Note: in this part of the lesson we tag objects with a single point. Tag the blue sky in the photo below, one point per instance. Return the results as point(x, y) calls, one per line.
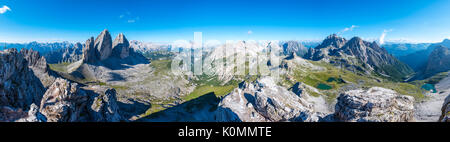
point(170, 20)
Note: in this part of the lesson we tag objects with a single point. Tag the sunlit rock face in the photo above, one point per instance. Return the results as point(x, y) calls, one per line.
point(374, 105)
point(65, 101)
point(19, 86)
point(264, 101)
point(103, 44)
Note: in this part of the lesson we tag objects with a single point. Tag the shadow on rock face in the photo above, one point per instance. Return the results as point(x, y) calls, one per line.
point(200, 109)
point(116, 77)
point(115, 63)
point(134, 108)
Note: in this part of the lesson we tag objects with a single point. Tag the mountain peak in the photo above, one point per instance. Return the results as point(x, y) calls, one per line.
point(356, 39)
point(332, 40)
point(89, 52)
point(446, 41)
point(121, 46)
point(103, 44)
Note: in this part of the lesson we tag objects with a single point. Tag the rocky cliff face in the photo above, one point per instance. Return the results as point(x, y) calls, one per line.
point(103, 44)
point(67, 102)
point(103, 48)
point(445, 117)
point(89, 52)
point(328, 45)
point(374, 105)
point(419, 59)
point(98, 50)
point(38, 65)
point(19, 86)
point(121, 46)
point(295, 47)
point(69, 53)
point(438, 61)
point(63, 102)
point(264, 101)
point(103, 104)
point(359, 56)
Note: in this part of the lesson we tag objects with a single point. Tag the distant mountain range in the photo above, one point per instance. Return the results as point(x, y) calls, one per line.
point(422, 59)
point(402, 49)
point(359, 56)
point(113, 79)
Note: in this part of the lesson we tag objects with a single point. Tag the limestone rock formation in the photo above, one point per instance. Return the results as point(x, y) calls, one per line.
point(264, 101)
point(438, 61)
point(68, 102)
point(65, 53)
point(89, 51)
point(374, 105)
point(445, 117)
point(38, 65)
point(121, 46)
point(64, 102)
point(295, 47)
point(103, 105)
point(33, 115)
point(103, 44)
point(19, 86)
point(358, 55)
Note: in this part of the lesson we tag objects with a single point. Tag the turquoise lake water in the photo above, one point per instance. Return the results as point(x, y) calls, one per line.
point(429, 87)
point(322, 86)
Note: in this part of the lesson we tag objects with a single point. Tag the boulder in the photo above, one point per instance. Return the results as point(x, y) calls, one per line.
point(374, 105)
point(68, 102)
point(103, 105)
point(63, 102)
point(264, 101)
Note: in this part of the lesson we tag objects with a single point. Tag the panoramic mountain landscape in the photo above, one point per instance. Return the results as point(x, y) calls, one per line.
point(130, 69)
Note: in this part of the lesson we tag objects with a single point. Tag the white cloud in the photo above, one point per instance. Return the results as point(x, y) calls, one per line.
point(250, 32)
point(133, 20)
point(4, 9)
point(383, 35)
point(348, 29)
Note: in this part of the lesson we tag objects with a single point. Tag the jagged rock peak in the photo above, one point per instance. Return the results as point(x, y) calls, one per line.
point(438, 61)
point(35, 60)
point(374, 105)
point(333, 40)
point(19, 86)
point(103, 44)
point(89, 51)
point(63, 102)
point(121, 46)
point(356, 40)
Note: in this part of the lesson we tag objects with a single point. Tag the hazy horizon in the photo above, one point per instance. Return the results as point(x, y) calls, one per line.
point(421, 21)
